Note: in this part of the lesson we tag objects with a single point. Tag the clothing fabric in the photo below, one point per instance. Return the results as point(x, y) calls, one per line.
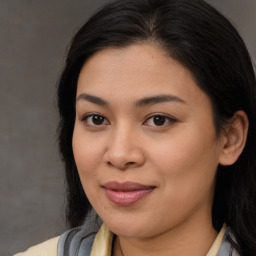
point(47, 248)
point(80, 242)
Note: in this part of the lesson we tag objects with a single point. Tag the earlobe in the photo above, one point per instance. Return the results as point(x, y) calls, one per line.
point(235, 138)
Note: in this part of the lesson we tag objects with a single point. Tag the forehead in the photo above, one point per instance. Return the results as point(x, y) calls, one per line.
point(136, 71)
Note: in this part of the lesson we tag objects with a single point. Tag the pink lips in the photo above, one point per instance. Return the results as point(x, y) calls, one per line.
point(126, 193)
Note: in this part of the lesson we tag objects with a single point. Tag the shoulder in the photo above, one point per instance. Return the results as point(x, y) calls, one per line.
point(47, 248)
point(77, 239)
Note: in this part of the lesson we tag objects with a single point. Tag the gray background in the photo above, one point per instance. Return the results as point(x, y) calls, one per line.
point(34, 36)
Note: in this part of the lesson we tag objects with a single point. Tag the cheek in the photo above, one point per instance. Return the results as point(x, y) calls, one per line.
point(88, 157)
point(87, 152)
point(187, 164)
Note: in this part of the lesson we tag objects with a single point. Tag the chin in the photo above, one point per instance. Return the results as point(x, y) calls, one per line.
point(129, 231)
point(131, 228)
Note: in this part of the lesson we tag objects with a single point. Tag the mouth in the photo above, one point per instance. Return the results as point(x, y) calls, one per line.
point(127, 193)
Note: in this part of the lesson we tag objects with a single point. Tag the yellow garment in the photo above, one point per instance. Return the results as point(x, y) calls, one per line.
point(102, 245)
point(217, 242)
point(47, 248)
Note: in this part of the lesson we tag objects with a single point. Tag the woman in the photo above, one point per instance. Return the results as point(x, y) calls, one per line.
point(157, 133)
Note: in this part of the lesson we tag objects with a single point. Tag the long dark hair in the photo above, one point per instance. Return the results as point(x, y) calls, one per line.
point(200, 38)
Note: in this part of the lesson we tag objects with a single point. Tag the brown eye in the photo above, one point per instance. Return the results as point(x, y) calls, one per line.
point(95, 120)
point(159, 121)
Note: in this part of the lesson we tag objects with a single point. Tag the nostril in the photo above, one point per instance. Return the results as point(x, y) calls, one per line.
point(122, 166)
point(124, 158)
point(129, 163)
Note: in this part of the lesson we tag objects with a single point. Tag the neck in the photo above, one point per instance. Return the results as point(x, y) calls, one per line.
point(185, 240)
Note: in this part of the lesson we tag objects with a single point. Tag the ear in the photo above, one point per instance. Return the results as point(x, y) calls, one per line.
point(234, 138)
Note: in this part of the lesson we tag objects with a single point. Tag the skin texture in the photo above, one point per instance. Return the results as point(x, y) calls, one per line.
point(178, 159)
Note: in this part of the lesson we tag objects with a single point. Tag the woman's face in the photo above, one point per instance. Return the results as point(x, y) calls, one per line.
point(144, 142)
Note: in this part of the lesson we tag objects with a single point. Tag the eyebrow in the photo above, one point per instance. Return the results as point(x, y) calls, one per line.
point(158, 99)
point(140, 103)
point(92, 99)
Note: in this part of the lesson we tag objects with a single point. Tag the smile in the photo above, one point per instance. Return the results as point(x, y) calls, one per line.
point(125, 194)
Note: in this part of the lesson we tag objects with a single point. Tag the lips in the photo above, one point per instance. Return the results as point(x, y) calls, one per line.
point(127, 193)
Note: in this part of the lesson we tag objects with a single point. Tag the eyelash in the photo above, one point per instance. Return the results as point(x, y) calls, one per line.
point(85, 119)
point(167, 120)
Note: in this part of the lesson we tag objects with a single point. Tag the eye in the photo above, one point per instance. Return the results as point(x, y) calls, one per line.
point(95, 120)
point(159, 120)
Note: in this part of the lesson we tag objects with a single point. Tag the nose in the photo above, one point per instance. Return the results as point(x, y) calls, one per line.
point(124, 150)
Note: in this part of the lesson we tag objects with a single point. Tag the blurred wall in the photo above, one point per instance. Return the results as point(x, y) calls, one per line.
point(34, 36)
